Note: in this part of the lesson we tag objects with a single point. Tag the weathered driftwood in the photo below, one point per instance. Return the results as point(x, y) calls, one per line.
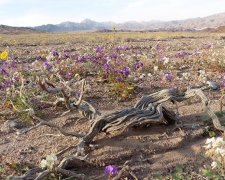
point(148, 110)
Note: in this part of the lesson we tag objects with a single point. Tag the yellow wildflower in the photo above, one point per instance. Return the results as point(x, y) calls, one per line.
point(4, 55)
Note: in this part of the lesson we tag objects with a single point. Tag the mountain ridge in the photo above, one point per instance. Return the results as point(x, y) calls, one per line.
point(192, 24)
point(208, 23)
point(4, 29)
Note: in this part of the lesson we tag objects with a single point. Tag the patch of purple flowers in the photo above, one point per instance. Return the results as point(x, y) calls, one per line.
point(168, 76)
point(81, 59)
point(47, 65)
point(111, 170)
point(222, 85)
point(3, 72)
point(66, 53)
point(118, 79)
point(12, 64)
point(38, 57)
point(55, 53)
point(125, 71)
point(126, 47)
point(112, 55)
point(138, 65)
point(119, 48)
point(6, 84)
point(69, 75)
point(106, 67)
point(99, 49)
point(182, 54)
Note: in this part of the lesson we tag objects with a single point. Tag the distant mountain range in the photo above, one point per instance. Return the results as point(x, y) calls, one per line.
point(16, 30)
point(212, 21)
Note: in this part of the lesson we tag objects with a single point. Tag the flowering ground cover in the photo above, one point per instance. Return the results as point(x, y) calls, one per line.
point(69, 82)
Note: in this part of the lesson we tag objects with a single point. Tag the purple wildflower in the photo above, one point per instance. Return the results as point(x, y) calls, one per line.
point(66, 53)
point(182, 54)
point(6, 84)
point(99, 49)
point(47, 65)
point(106, 67)
point(12, 64)
point(81, 59)
point(119, 48)
point(168, 76)
point(111, 170)
point(163, 58)
point(173, 89)
point(138, 65)
point(118, 79)
point(117, 71)
point(119, 59)
point(68, 75)
point(125, 47)
point(15, 79)
point(94, 59)
point(112, 55)
point(3, 71)
point(38, 57)
point(125, 71)
point(55, 53)
point(222, 85)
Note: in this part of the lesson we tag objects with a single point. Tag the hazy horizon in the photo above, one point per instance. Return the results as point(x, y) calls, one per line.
point(37, 12)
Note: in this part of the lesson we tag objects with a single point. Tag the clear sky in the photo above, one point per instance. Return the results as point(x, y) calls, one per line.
point(38, 12)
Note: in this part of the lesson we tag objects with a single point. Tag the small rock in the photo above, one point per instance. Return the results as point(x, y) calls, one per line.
point(136, 80)
point(141, 77)
point(213, 85)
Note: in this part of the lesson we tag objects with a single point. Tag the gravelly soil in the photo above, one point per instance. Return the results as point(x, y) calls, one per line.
point(150, 150)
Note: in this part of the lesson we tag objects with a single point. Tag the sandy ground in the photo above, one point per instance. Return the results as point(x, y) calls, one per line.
point(148, 150)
